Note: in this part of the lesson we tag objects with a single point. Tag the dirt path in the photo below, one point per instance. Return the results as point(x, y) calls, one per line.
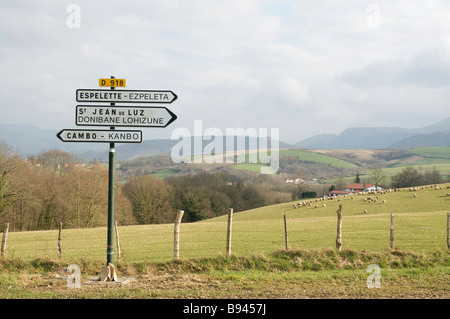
point(180, 286)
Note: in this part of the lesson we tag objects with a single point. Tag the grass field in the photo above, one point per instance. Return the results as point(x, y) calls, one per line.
point(306, 156)
point(249, 167)
point(164, 173)
point(253, 165)
point(444, 170)
point(260, 266)
point(420, 223)
point(436, 152)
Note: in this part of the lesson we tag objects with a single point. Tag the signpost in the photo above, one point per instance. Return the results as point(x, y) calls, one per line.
point(112, 116)
point(100, 136)
point(94, 115)
point(126, 96)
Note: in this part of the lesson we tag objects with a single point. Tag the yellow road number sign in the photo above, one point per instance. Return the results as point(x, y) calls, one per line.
point(112, 82)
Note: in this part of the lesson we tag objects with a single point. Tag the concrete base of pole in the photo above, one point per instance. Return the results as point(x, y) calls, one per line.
point(108, 273)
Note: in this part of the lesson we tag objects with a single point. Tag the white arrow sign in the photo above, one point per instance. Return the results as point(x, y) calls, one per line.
point(131, 96)
point(100, 136)
point(90, 115)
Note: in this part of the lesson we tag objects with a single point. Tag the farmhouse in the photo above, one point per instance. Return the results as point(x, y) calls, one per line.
point(374, 188)
point(361, 187)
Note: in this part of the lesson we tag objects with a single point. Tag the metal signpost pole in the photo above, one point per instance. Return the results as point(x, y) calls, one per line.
point(110, 241)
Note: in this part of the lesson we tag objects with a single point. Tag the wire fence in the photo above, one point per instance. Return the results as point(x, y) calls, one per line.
point(156, 243)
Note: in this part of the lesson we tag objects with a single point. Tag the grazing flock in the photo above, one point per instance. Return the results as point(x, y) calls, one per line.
point(373, 196)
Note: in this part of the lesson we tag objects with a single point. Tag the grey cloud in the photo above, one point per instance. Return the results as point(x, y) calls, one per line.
point(427, 69)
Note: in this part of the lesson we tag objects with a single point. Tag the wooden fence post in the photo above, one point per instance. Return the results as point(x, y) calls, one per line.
point(448, 230)
point(392, 232)
point(117, 240)
point(286, 233)
point(230, 220)
point(339, 229)
point(176, 241)
point(59, 240)
point(5, 235)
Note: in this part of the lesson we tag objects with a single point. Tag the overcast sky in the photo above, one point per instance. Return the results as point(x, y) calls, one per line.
point(305, 67)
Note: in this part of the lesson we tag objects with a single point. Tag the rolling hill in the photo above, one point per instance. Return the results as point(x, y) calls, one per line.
point(419, 223)
point(382, 137)
point(29, 140)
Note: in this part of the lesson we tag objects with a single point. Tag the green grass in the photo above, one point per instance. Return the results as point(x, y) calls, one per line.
point(164, 173)
point(249, 167)
point(420, 226)
point(260, 266)
point(435, 152)
point(391, 171)
point(431, 156)
point(421, 166)
point(319, 273)
point(306, 156)
point(299, 155)
point(427, 162)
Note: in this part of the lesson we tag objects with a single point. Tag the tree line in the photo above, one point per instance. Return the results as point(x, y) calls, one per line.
point(52, 187)
point(407, 177)
point(410, 176)
point(39, 192)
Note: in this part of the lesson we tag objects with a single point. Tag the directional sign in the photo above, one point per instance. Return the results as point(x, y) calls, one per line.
point(100, 136)
point(132, 96)
point(94, 115)
point(112, 82)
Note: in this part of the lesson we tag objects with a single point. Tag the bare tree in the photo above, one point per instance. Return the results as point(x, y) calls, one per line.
point(8, 162)
point(53, 161)
point(150, 199)
point(377, 177)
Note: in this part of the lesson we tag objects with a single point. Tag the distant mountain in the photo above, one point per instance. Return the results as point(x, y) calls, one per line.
point(429, 140)
point(129, 151)
point(381, 137)
point(28, 140)
point(153, 147)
